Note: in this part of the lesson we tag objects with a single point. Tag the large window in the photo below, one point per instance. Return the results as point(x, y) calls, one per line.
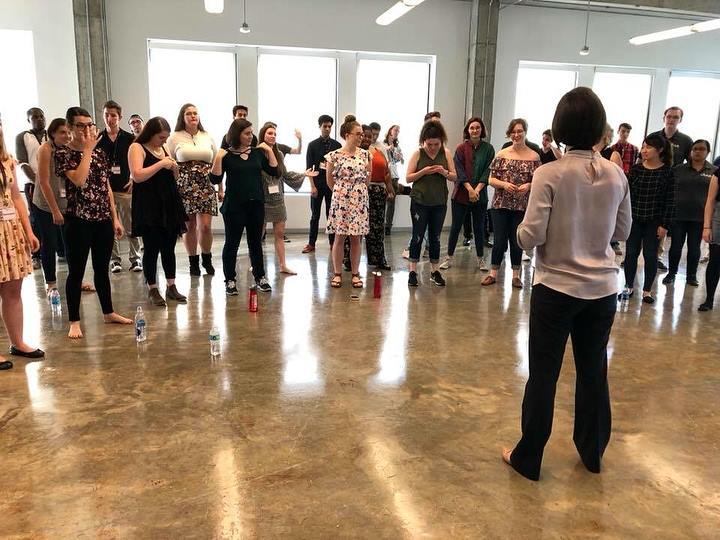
point(204, 78)
point(293, 91)
point(393, 92)
point(626, 97)
point(699, 97)
point(18, 92)
point(538, 93)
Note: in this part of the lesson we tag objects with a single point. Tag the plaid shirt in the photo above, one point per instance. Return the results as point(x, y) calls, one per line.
point(652, 194)
point(629, 154)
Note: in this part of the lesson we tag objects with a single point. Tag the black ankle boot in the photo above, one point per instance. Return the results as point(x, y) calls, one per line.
point(194, 265)
point(207, 264)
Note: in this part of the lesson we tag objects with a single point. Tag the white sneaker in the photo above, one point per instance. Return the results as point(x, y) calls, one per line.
point(447, 263)
point(482, 265)
point(406, 254)
point(115, 267)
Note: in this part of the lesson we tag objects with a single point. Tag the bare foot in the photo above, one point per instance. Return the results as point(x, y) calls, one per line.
point(75, 331)
point(87, 287)
point(286, 270)
point(506, 455)
point(114, 318)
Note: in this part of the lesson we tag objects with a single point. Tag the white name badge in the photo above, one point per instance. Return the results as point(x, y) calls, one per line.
point(8, 213)
point(115, 169)
point(63, 194)
point(273, 189)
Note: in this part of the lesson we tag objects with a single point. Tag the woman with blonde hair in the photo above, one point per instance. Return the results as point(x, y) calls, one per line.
point(17, 241)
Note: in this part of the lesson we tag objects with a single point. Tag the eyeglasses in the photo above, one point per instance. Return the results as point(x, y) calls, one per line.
point(84, 126)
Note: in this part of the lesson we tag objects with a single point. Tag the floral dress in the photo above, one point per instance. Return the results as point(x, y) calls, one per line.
point(514, 171)
point(349, 206)
point(194, 155)
point(15, 260)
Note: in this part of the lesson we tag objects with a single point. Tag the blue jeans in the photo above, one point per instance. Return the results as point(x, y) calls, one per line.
point(51, 243)
point(430, 218)
point(460, 214)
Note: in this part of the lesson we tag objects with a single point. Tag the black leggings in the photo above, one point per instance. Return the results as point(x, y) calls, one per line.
point(643, 235)
point(251, 216)
point(693, 231)
point(712, 273)
point(158, 241)
point(85, 237)
point(506, 223)
point(461, 214)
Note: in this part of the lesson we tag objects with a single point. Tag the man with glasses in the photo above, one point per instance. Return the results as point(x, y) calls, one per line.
point(115, 142)
point(27, 145)
point(136, 123)
point(681, 145)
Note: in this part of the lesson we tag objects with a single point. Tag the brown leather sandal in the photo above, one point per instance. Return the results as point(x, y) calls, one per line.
point(489, 280)
point(336, 281)
point(517, 283)
point(357, 282)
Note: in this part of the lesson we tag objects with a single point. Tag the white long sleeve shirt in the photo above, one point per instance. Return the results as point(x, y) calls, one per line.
point(577, 206)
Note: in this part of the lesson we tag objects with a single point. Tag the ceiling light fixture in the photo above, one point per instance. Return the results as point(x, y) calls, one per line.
point(245, 28)
point(214, 6)
point(586, 50)
point(680, 31)
point(396, 11)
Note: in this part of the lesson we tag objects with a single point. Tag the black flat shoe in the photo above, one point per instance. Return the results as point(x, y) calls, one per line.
point(5, 365)
point(37, 353)
point(705, 306)
point(384, 266)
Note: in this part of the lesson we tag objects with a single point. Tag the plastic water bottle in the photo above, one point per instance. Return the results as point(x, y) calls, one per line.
point(55, 304)
point(214, 341)
point(140, 325)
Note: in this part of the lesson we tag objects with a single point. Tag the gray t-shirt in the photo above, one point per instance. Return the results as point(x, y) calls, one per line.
point(58, 188)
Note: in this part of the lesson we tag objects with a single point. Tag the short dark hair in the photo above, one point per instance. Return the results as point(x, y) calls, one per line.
point(180, 124)
point(374, 126)
point(366, 127)
point(514, 122)
point(466, 129)
point(432, 114)
point(31, 110)
point(73, 112)
point(56, 124)
point(237, 108)
point(580, 119)
point(348, 125)
point(548, 132)
point(433, 130)
point(236, 128)
point(135, 116)
point(157, 124)
point(110, 104)
point(323, 118)
point(705, 143)
point(625, 125)
point(662, 145)
point(674, 108)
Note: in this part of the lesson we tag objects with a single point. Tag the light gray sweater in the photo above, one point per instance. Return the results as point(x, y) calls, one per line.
point(578, 205)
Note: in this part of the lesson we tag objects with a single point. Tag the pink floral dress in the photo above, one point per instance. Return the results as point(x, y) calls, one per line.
point(15, 260)
point(349, 213)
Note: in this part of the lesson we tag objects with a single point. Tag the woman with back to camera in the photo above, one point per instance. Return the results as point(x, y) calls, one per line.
point(511, 174)
point(692, 182)
point(158, 215)
point(472, 163)
point(577, 206)
point(17, 241)
point(243, 207)
point(652, 194)
point(348, 174)
point(194, 150)
point(275, 211)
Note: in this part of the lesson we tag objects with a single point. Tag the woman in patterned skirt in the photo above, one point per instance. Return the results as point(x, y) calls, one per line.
point(16, 242)
point(194, 150)
point(275, 211)
point(348, 172)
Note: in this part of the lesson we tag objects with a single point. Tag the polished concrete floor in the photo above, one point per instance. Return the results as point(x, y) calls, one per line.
point(331, 418)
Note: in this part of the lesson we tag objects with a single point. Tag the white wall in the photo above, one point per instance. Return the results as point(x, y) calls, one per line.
point(51, 22)
point(434, 28)
point(555, 35)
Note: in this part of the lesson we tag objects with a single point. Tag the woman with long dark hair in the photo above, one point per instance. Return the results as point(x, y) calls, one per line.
point(692, 182)
point(652, 194)
point(90, 219)
point(472, 163)
point(17, 241)
point(578, 205)
point(275, 211)
point(158, 215)
point(194, 150)
point(243, 208)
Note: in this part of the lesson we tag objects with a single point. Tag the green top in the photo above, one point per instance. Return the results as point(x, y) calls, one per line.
point(431, 189)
